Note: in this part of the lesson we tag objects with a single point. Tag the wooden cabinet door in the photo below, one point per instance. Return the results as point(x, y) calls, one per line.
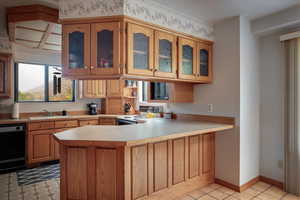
point(40, 146)
point(105, 51)
point(76, 49)
point(93, 89)
point(187, 59)
point(204, 62)
point(208, 154)
point(165, 55)
point(140, 50)
point(115, 88)
point(114, 105)
point(5, 75)
point(55, 149)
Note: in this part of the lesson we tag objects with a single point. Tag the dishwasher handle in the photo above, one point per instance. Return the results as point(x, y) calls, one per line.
point(9, 129)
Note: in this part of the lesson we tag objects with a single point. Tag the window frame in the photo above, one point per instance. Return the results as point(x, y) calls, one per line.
point(46, 91)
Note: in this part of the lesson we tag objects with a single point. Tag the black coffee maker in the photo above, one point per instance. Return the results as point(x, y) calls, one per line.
point(92, 108)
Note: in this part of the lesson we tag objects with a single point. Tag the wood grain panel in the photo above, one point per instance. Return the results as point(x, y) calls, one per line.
point(194, 156)
point(2, 77)
point(88, 122)
point(139, 171)
point(41, 125)
point(106, 176)
point(160, 166)
point(178, 160)
point(208, 153)
point(77, 173)
point(115, 88)
point(41, 146)
point(66, 124)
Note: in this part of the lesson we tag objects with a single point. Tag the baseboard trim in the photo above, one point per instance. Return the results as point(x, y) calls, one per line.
point(249, 183)
point(228, 185)
point(271, 181)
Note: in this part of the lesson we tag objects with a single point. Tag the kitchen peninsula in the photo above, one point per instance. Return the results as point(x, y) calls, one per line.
point(138, 160)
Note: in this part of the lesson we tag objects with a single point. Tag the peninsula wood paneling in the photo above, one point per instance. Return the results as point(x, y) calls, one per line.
point(106, 177)
point(77, 173)
point(208, 153)
point(194, 155)
point(139, 169)
point(178, 160)
point(160, 165)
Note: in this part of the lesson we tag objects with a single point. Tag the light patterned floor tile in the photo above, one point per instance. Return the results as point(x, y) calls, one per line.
point(218, 194)
point(206, 197)
point(196, 193)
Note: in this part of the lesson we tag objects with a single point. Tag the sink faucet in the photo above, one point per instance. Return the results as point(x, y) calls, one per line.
point(48, 113)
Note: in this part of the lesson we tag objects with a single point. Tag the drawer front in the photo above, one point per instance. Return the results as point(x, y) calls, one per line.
point(66, 124)
point(88, 122)
point(41, 125)
point(107, 121)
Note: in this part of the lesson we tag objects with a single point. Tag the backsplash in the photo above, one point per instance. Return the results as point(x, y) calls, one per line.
point(147, 11)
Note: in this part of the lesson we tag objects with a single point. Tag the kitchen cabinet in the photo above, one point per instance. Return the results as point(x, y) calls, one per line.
point(165, 55)
point(5, 75)
point(140, 50)
point(76, 49)
point(40, 146)
point(187, 59)
point(204, 62)
point(115, 88)
point(93, 89)
point(122, 48)
point(105, 52)
point(87, 122)
point(114, 105)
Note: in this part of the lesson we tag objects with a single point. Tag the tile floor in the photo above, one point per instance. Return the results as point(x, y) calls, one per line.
point(49, 190)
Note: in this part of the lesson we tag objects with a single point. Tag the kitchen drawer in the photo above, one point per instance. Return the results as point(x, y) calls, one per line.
point(66, 124)
point(88, 122)
point(107, 121)
point(41, 125)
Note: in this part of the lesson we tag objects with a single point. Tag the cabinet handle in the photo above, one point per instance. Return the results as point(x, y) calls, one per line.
point(92, 67)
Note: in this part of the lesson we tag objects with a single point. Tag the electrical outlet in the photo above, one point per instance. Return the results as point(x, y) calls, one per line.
point(280, 164)
point(210, 108)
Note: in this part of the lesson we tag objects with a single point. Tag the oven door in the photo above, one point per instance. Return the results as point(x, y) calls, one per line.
point(12, 146)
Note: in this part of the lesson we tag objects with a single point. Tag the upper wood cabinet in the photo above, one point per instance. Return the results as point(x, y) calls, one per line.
point(165, 55)
point(105, 51)
point(123, 48)
point(5, 75)
point(76, 49)
point(204, 62)
point(187, 59)
point(140, 50)
point(93, 89)
point(115, 88)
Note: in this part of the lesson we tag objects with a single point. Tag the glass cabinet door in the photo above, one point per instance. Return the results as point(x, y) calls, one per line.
point(140, 50)
point(76, 53)
point(105, 54)
point(187, 59)
point(165, 55)
point(204, 62)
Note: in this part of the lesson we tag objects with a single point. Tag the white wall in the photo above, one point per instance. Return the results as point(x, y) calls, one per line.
point(272, 107)
point(224, 94)
point(249, 103)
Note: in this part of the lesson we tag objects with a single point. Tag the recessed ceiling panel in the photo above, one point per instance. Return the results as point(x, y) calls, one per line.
point(27, 43)
point(54, 39)
point(39, 25)
point(52, 47)
point(57, 29)
point(28, 35)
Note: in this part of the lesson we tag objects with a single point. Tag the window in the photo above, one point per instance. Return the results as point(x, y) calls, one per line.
point(41, 83)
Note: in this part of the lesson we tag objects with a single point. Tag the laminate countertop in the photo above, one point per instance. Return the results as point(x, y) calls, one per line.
point(152, 130)
point(56, 118)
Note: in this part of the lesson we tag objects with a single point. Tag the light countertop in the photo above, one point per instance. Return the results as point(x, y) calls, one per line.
point(152, 130)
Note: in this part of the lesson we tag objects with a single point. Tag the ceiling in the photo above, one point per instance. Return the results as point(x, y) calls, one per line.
point(213, 11)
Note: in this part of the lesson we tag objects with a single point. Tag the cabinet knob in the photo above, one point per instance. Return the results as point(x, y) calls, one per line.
point(85, 67)
point(92, 67)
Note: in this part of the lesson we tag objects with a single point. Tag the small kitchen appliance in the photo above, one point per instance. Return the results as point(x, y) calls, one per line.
point(93, 108)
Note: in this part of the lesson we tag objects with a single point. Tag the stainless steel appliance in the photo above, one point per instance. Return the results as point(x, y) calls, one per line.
point(12, 146)
point(127, 120)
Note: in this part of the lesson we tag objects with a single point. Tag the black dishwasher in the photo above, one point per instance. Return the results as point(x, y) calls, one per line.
point(12, 146)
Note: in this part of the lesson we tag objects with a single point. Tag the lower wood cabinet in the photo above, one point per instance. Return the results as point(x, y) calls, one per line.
point(40, 146)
